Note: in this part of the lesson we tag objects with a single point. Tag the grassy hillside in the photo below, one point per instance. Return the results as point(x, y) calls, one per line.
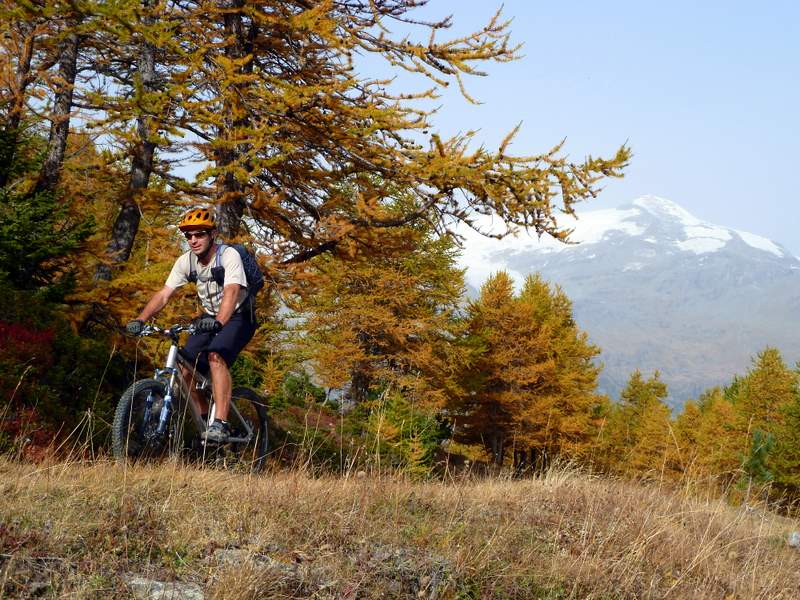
point(101, 530)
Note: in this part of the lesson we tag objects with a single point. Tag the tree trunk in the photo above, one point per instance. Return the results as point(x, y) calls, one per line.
point(231, 199)
point(539, 460)
point(498, 448)
point(230, 206)
point(521, 463)
point(126, 225)
point(359, 385)
point(62, 105)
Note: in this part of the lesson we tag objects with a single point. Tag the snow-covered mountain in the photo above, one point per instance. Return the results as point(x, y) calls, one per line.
point(657, 288)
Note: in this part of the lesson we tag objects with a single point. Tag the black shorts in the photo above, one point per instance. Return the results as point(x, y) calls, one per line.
point(228, 343)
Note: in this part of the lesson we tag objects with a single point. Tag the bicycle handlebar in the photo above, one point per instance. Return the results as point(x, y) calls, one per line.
point(170, 332)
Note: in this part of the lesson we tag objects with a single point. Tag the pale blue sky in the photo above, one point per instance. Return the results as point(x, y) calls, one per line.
point(707, 95)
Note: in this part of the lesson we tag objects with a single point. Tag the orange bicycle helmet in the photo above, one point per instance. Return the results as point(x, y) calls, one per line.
point(197, 218)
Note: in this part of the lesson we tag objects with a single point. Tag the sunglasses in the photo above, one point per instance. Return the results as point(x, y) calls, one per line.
point(198, 234)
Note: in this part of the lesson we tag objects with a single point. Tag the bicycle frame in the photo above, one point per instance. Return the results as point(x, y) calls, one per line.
point(172, 376)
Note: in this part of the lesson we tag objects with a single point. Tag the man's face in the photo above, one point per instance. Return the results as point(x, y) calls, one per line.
point(199, 241)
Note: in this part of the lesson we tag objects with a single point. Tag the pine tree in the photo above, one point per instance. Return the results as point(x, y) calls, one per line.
point(756, 463)
point(38, 233)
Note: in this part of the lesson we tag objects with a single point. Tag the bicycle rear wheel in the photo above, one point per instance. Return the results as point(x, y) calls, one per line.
point(248, 421)
point(133, 433)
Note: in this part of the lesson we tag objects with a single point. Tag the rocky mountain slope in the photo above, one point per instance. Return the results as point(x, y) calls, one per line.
point(656, 288)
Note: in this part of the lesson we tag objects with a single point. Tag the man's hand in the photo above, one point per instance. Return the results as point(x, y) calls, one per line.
point(208, 325)
point(134, 327)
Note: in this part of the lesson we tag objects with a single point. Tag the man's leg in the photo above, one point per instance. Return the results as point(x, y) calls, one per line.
point(222, 385)
point(222, 351)
point(195, 353)
point(197, 397)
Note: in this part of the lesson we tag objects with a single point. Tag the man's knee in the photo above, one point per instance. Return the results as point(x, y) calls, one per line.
point(216, 360)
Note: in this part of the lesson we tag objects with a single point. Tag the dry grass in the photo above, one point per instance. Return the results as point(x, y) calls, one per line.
point(83, 529)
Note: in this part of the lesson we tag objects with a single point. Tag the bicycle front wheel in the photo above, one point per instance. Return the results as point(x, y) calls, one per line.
point(133, 433)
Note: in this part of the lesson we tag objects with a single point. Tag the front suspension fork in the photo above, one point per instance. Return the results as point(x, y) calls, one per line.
point(166, 409)
point(163, 418)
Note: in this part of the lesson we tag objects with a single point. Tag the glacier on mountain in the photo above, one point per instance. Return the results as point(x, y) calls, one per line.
point(704, 238)
point(657, 220)
point(761, 243)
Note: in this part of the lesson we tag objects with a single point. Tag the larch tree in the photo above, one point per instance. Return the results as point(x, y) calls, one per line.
point(760, 400)
point(309, 158)
point(649, 455)
point(23, 58)
point(720, 445)
point(485, 416)
point(640, 410)
point(289, 130)
point(295, 144)
point(561, 418)
point(746, 431)
point(532, 387)
point(137, 104)
point(389, 320)
point(762, 394)
point(685, 430)
point(786, 457)
point(765, 401)
point(35, 37)
point(68, 34)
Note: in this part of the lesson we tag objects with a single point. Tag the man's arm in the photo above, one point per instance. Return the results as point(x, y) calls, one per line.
point(157, 302)
point(230, 293)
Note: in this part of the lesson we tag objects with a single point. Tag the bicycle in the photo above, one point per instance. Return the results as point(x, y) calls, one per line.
point(150, 418)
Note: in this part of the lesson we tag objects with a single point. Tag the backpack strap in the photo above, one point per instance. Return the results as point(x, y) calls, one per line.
point(218, 271)
point(192, 269)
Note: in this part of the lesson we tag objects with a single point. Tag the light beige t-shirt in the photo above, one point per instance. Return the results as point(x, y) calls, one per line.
point(209, 293)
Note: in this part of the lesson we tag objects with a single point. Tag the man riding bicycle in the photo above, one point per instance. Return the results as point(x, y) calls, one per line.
point(227, 323)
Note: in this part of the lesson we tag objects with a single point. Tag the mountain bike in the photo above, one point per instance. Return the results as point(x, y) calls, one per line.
point(157, 417)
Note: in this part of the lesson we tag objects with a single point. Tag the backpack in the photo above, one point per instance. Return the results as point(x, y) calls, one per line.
point(252, 270)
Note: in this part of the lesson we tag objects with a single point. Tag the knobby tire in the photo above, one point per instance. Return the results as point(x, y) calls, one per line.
point(129, 434)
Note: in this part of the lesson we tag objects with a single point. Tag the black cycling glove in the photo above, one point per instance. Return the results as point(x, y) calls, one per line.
point(208, 325)
point(134, 327)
